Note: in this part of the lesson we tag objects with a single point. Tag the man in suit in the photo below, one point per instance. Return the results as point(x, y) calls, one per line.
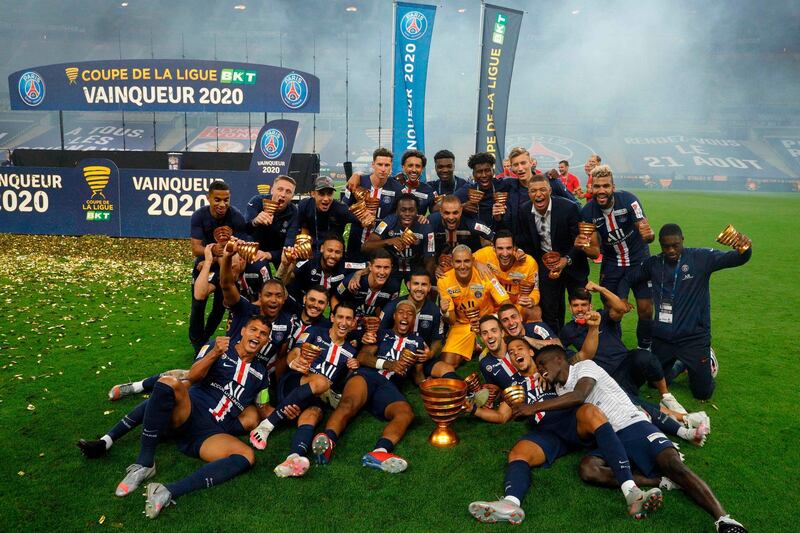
point(550, 224)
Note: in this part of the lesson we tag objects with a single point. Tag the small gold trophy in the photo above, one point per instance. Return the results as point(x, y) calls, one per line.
point(309, 351)
point(730, 237)
point(247, 250)
point(473, 383)
point(371, 324)
point(551, 260)
point(407, 239)
point(222, 235)
point(360, 193)
point(474, 197)
point(270, 206)
point(513, 395)
point(446, 262)
point(443, 399)
point(587, 230)
point(302, 246)
point(408, 358)
point(501, 198)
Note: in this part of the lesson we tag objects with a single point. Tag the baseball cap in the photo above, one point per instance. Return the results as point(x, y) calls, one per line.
point(323, 182)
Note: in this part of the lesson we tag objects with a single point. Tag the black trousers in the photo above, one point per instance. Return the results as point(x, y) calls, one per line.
point(553, 292)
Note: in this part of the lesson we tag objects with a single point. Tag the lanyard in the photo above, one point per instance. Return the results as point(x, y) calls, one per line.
point(674, 277)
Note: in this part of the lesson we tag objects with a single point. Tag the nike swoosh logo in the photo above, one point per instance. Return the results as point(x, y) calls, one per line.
point(226, 365)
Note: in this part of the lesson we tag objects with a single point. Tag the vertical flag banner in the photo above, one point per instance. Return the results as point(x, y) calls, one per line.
point(413, 31)
point(499, 45)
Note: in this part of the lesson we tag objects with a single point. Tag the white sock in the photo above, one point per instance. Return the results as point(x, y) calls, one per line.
point(380, 450)
point(108, 440)
point(627, 487)
point(267, 424)
point(513, 499)
point(138, 386)
point(686, 433)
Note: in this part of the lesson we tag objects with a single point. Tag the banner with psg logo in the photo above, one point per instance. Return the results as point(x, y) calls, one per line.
point(97, 197)
point(498, 47)
point(413, 31)
point(164, 85)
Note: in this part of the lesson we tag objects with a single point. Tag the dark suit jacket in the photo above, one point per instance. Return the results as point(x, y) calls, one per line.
point(564, 218)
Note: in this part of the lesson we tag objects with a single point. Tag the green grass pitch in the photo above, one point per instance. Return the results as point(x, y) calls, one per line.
point(80, 315)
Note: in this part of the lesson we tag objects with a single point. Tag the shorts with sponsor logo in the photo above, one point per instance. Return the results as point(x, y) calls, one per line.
point(201, 425)
point(556, 434)
point(643, 442)
point(460, 340)
point(381, 392)
point(618, 280)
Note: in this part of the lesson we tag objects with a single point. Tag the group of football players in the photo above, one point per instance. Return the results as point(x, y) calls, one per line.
point(334, 303)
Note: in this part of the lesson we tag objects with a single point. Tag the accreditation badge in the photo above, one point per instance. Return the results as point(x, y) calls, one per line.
point(665, 312)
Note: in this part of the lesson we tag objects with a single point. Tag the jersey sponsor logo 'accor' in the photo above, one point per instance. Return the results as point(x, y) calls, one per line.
point(413, 25)
point(294, 91)
point(31, 88)
point(272, 143)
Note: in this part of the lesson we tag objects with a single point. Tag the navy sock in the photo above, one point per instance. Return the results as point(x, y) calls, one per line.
point(644, 333)
point(332, 435)
point(662, 421)
point(613, 452)
point(299, 396)
point(302, 439)
point(128, 422)
point(156, 421)
point(210, 474)
point(451, 375)
point(149, 383)
point(197, 326)
point(385, 443)
point(518, 479)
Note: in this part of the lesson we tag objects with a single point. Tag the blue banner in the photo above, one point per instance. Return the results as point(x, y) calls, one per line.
point(164, 85)
point(98, 198)
point(501, 27)
point(413, 32)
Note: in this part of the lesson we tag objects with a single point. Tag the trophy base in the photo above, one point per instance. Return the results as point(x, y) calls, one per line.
point(443, 437)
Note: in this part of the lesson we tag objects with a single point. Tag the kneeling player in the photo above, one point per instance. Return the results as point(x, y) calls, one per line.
point(553, 435)
point(374, 386)
point(309, 379)
point(651, 451)
point(204, 417)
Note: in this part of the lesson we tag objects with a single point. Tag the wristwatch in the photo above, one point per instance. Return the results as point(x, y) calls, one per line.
point(569, 260)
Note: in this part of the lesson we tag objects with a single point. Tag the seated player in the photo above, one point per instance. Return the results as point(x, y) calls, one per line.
point(452, 227)
point(205, 414)
point(629, 368)
point(388, 236)
point(537, 333)
point(270, 229)
point(374, 290)
point(325, 268)
point(320, 215)
point(205, 220)
point(375, 386)
point(514, 269)
point(465, 296)
point(270, 304)
point(495, 365)
point(308, 379)
point(428, 323)
point(482, 165)
point(315, 302)
point(413, 163)
point(553, 435)
point(650, 450)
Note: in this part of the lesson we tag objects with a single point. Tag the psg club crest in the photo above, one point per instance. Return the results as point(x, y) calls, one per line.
point(31, 88)
point(272, 143)
point(294, 91)
point(413, 25)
